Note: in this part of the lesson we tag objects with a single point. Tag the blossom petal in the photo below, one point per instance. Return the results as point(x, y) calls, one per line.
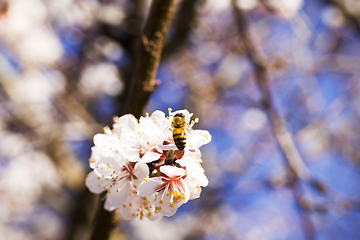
point(192, 152)
point(149, 186)
point(172, 171)
point(168, 147)
point(118, 194)
point(196, 179)
point(108, 205)
point(132, 154)
point(127, 121)
point(95, 183)
point(106, 167)
point(141, 171)
point(159, 119)
point(150, 157)
point(169, 208)
point(104, 141)
point(195, 193)
point(199, 138)
point(155, 125)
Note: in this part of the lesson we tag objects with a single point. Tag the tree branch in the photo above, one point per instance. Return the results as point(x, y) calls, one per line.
point(183, 22)
point(148, 56)
point(143, 84)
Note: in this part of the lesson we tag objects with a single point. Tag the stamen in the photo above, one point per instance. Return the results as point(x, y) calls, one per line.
point(107, 130)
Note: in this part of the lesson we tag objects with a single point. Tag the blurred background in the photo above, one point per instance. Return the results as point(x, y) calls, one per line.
point(64, 71)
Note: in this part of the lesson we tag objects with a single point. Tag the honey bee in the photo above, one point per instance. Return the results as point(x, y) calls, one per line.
point(180, 130)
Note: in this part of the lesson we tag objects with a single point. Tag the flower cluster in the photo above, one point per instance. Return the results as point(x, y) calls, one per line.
point(141, 167)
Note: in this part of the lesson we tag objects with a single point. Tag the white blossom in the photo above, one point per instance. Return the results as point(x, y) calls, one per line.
point(141, 168)
point(118, 177)
point(141, 207)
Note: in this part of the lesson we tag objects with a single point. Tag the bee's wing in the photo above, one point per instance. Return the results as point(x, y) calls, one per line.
point(189, 130)
point(167, 131)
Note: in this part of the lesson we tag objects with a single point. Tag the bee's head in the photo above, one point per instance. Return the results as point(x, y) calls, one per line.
point(179, 119)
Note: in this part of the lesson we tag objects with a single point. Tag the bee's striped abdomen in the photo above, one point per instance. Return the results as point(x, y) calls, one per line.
point(179, 138)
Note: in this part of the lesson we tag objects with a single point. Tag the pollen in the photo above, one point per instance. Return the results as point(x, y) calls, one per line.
point(147, 114)
point(171, 205)
point(145, 179)
point(133, 191)
point(169, 109)
point(144, 198)
point(134, 186)
point(161, 201)
point(124, 205)
point(98, 178)
point(206, 136)
point(130, 204)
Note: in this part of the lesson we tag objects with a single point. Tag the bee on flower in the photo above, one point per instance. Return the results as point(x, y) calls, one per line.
point(149, 167)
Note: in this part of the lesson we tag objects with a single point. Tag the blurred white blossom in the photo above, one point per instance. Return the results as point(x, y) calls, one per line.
point(101, 78)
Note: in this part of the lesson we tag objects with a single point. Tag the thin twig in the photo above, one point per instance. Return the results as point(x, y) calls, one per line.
point(286, 143)
point(281, 132)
